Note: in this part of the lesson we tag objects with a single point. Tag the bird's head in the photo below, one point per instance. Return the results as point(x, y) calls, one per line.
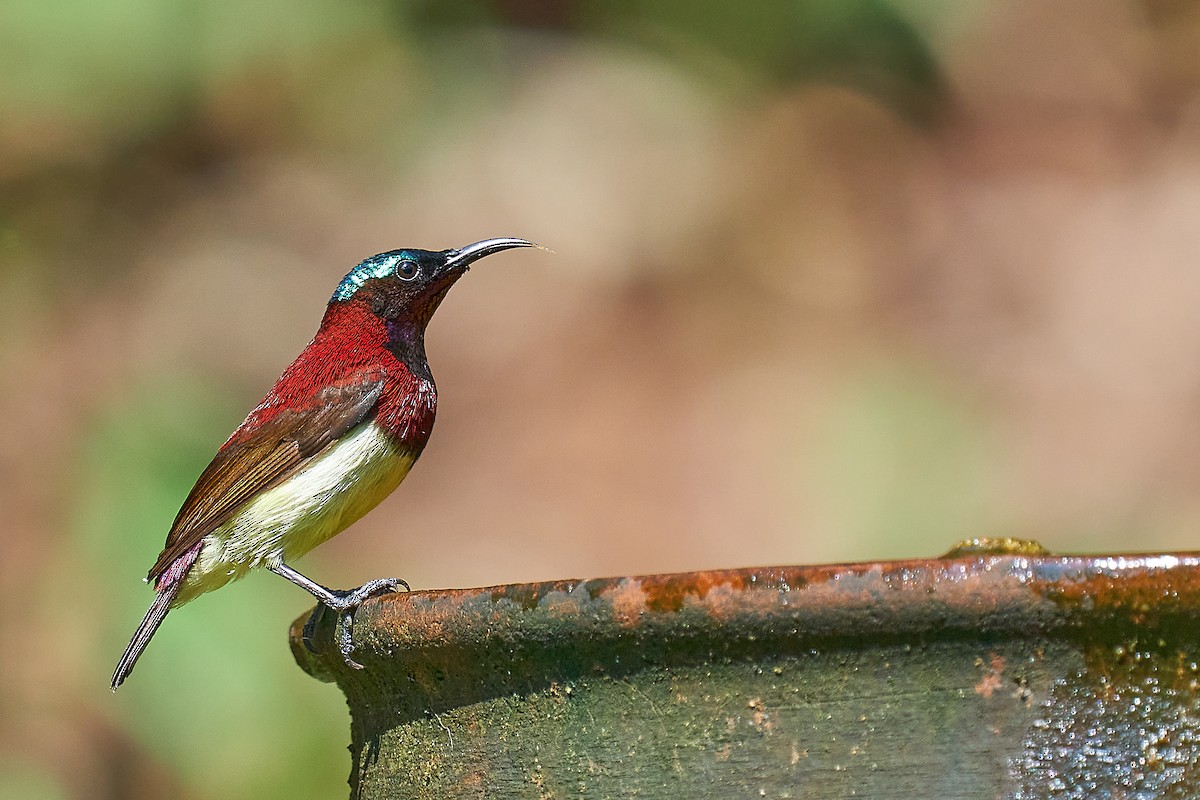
point(406, 286)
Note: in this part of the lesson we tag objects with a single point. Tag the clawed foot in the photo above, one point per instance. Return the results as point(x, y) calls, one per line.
point(344, 603)
point(349, 599)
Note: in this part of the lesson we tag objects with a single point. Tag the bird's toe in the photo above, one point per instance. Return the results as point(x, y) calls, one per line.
point(345, 639)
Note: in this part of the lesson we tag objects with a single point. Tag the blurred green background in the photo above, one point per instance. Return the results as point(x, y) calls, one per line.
point(835, 280)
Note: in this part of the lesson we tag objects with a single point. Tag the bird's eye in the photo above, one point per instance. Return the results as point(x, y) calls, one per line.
point(406, 270)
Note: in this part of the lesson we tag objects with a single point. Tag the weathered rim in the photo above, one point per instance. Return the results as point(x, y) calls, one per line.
point(1009, 592)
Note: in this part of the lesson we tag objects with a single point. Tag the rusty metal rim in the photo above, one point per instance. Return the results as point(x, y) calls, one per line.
point(978, 592)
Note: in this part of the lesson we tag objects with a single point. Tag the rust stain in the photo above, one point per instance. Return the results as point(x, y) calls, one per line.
point(992, 677)
point(668, 593)
point(1013, 586)
point(728, 602)
point(629, 602)
point(1149, 585)
point(524, 595)
point(671, 593)
point(760, 720)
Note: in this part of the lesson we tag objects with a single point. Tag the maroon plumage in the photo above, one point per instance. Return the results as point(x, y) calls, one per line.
point(363, 378)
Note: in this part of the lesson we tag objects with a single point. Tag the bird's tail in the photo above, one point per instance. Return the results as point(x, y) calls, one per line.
point(167, 588)
point(141, 637)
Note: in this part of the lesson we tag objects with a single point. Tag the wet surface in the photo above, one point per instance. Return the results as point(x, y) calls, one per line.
point(996, 671)
point(1126, 726)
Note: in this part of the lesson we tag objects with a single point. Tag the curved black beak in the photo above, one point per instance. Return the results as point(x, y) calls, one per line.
point(464, 257)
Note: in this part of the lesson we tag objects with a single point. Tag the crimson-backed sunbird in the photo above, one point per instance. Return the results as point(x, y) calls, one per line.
point(335, 435)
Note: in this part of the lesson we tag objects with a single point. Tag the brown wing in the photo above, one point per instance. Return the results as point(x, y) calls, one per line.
point(262, 459)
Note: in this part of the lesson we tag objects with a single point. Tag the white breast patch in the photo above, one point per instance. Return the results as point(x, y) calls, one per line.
point(323, 499)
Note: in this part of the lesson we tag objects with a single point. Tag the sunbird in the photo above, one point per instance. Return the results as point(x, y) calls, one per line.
point(336, 434)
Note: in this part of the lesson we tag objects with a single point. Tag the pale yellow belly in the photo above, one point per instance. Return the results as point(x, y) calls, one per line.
point(312, 506)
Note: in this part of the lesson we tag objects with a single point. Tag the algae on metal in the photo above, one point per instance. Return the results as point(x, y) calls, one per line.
point(994, 674)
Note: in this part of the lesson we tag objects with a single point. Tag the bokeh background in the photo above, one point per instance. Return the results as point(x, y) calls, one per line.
point(835, 280)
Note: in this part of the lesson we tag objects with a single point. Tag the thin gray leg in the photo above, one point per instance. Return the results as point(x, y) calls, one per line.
point(339, 599)
point(343, 602)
